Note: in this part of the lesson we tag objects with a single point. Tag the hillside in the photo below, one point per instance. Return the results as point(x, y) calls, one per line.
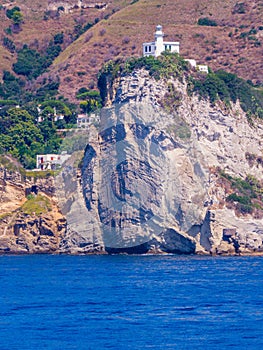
point(43, 19)
point(231, 38)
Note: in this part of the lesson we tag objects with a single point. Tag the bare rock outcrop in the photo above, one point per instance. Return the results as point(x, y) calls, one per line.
point(27, 233)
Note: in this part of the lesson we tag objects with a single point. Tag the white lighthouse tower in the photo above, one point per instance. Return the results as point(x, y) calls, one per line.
point(155, 48)
point(159, 48)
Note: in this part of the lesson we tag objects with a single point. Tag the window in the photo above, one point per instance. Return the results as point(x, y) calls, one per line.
point(150, 48)
point(145, 48)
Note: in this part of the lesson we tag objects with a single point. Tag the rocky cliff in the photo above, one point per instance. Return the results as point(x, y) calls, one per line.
point(30, 221)
point(166, 172)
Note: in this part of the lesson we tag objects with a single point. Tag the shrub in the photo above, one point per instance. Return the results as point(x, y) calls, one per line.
point(227, 86)
point(17, 17)
point(32, 63)
point(90, 100)
point(126, 40)
point(10, 12)
point(240, 199)
point(244, 208)
point(206, 22)
point(37, 205)
point(9, 44)
point(102, 31)
point(59, 38)
point(240, 7)
point(29, 63)
point(212, 87)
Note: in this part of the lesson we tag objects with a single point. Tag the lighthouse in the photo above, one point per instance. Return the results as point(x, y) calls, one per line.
point(156, 47)
point(159, 48)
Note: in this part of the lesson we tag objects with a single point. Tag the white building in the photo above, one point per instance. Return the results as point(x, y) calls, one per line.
point(203, 68)
point(200, 67)
point(82, 121)
point(155, 48)
point(51, 161)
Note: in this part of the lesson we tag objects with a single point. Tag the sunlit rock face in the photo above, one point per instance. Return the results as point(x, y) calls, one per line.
point(149, 182)
point(147, 185)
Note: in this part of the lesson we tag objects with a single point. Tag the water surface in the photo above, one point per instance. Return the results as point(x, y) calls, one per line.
point(131, 302)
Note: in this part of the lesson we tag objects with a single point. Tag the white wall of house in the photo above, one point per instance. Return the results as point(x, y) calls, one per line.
point(82, 120)
point(203, 68)
point(50, 161)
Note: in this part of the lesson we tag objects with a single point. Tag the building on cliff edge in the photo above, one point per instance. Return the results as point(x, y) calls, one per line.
point(50, 161)
point(156, 47)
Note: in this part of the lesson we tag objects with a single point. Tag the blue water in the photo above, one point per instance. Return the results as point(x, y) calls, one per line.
point(131, 302)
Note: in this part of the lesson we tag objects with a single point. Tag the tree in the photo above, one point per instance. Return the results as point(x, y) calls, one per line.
point(17, 17)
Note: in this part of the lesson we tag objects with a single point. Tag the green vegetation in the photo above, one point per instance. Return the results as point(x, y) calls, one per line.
point(59, 38)
point(20, 137)
point(40, 174)
point(15, 14)
point(240, 7)
point(12, 87)
point(80, 29)
point(172, 99)
point(247, 194)
point(36, 205)
point(228, 87)
point(167, 65)
point(90, 100)
point(20, 134)
point(9, 44)
point(32, 63)
point(206, 22)
point(8, 103)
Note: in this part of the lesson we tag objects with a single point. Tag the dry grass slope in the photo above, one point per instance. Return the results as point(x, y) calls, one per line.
point(235, 44)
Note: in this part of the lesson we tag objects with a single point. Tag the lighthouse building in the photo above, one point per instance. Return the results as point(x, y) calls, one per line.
point(155, 48)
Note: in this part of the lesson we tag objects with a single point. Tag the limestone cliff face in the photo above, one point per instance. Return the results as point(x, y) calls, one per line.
point(148, 182)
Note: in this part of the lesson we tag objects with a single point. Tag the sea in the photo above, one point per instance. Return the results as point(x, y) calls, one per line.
point(131, 302)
